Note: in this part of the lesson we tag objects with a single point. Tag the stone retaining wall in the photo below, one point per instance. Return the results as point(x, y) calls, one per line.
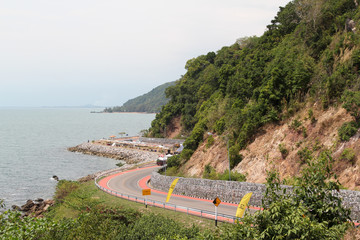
point(231, 191)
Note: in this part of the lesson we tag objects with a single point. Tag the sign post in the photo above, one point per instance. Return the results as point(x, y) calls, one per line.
point(146, 192)
point(216, 202)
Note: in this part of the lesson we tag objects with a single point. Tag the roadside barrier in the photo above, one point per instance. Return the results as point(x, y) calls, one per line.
point(191, 211)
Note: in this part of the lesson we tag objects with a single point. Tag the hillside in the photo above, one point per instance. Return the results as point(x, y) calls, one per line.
point(279, 99)
point(150, 102)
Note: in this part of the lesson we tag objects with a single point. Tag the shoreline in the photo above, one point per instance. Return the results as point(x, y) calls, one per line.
point(128, 112)
point(130, 156)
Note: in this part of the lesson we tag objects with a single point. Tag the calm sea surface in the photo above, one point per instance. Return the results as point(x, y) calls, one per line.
point(33, 143)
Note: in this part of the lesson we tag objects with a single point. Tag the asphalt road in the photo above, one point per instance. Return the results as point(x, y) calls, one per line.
point(128, 183)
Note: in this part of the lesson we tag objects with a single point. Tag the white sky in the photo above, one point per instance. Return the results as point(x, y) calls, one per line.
point(67, 53)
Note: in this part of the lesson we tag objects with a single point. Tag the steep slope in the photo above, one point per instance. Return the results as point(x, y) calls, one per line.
point(306, 63)
point(150, 102)
point(264, 152)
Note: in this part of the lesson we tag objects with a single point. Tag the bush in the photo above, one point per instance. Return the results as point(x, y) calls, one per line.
point(347, 130)
point(210, 173)
point(235, 176)
point(173, 161)
point(210, 141)
point(186, 154)
point(348, 155)
point(304, 155)
point(64, 188)
point(312, 212)
point(220, 125)
point(235, 157)
point(284, 152)
point(295, 124)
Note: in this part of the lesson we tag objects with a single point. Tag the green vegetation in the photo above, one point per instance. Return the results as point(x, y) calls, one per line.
point(210, 141)
point(84, 212)
point(258, 80)
point(348, 155)
point(311, 213)
point(210, 173)
point(150, 102)
point(283, 150)
point(347, 130)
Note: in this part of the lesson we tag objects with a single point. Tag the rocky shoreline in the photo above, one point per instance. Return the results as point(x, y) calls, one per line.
point(130, 156)
point(34, 208)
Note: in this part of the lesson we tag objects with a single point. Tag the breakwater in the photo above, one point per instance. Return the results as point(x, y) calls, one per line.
point(231, 191)
point(128, 155)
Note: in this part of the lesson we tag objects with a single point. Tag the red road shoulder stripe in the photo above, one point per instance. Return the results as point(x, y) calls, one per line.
point(143, 184)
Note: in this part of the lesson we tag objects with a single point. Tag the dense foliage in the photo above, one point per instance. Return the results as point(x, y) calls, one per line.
point(150, 102)
point(311, 211)
point(305, 53)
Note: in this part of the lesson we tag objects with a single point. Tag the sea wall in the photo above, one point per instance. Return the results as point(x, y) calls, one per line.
point(119, 153)
point(161, 140)
point(231, 191)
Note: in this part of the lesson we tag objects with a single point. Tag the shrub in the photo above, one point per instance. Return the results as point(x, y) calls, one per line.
point(173, 161)
point(284, 152)
point(209, 172)
point(304, 133)
point(304, 155)
point(352, 103)
point(295, 125)
point(220, 125)
point(235, 176)
point(210, 141)
point(347, 130)
point(186, 154)
point(348, 155)
point(64, 188)
point(235, 157)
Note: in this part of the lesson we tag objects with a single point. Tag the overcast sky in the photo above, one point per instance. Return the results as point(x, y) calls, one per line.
point(70, 53)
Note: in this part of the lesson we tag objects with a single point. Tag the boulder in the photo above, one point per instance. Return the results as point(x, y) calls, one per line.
point(27, 206)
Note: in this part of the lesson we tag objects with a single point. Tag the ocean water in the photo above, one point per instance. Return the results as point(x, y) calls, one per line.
point(34, 142)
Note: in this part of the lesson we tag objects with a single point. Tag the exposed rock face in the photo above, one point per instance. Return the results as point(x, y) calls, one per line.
point(34, 208)
point(263, 153)
point(128, 155)
point(350, 25)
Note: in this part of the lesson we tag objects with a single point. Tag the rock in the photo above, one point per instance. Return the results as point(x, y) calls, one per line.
point(16, 208)
point(27, 206)
point(35, 209)
point(350, 25)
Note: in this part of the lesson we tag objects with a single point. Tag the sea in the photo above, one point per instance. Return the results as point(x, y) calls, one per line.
point(34, 142)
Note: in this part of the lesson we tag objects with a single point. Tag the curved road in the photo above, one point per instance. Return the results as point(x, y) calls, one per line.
point(133, 181)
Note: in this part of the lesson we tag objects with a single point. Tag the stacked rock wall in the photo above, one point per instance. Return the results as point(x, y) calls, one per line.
point(231, 191)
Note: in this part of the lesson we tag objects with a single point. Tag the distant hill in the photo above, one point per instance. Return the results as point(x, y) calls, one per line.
point(150, 102)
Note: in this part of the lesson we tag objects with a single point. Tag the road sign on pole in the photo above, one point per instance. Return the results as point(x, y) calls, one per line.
point(216, 202)
point(146, 192)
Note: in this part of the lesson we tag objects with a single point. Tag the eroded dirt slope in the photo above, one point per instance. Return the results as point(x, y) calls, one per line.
point(264, 152)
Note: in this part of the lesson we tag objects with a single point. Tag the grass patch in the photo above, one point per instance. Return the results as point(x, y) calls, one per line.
point(88, 197)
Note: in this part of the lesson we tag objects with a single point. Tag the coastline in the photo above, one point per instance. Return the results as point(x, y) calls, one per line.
point(130, 156)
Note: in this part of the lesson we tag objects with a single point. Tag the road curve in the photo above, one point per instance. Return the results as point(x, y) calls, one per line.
point(132, 182)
